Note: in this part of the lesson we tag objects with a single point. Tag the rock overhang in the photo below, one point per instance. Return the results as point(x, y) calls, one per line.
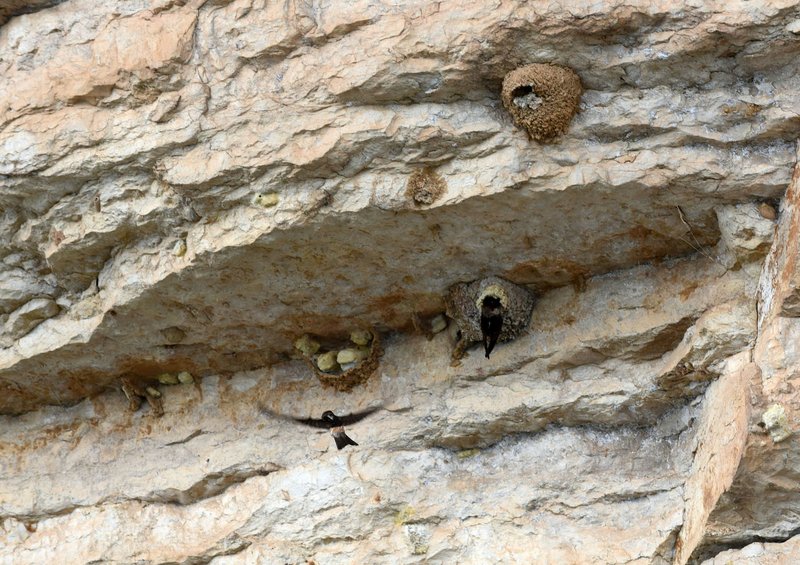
point(343, 246)
point(241, 306)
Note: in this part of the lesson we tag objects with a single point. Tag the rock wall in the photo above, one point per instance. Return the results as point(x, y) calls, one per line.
point(189, 187)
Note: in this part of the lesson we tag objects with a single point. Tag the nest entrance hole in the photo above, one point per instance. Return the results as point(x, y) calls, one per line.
point(525, 97)
point(521, 91)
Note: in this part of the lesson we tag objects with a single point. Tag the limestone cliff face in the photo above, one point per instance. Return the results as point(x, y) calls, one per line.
point(190, 187)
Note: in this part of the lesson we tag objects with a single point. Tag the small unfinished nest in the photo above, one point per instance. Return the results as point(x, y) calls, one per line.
point(425, 187)
point(542, 98)
point(344, 377)
point(137, 389)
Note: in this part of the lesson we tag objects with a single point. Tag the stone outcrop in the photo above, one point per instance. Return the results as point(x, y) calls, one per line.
point(189, 187)
point(760, 554)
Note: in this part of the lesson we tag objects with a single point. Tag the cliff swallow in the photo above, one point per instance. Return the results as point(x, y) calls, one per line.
point(491, 322)
point(334, 423)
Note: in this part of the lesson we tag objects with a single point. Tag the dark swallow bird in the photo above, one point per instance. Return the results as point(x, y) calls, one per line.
point(334, 423)
point(491, 322)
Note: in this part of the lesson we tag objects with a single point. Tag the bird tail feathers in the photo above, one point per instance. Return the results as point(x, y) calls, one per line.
point(343, 440)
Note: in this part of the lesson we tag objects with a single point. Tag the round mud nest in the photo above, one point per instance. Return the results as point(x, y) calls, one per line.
point(542, 98)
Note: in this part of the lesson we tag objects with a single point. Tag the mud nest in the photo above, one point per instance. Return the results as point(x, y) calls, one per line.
point(347, 380)
point(542, 98)
point(463, 306)
point(425, 187)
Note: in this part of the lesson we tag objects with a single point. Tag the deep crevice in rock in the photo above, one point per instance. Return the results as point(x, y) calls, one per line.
point(708, 550)
point(208, 486)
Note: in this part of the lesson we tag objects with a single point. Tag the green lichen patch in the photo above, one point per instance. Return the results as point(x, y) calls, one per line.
point(404, 515)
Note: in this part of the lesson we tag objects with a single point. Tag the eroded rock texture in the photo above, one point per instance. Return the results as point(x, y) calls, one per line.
point(189, 187)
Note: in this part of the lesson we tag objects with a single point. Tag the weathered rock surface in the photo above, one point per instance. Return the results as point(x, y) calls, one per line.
point(11, 8)
point(760, 554)
point(26, 317)
point(745, 230)
point(760, 504)
point(114, 149)
point(719, 443)
point(194, 185)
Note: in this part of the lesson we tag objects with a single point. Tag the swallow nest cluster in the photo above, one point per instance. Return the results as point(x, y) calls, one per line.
point(347, 367)
point(542, 98)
